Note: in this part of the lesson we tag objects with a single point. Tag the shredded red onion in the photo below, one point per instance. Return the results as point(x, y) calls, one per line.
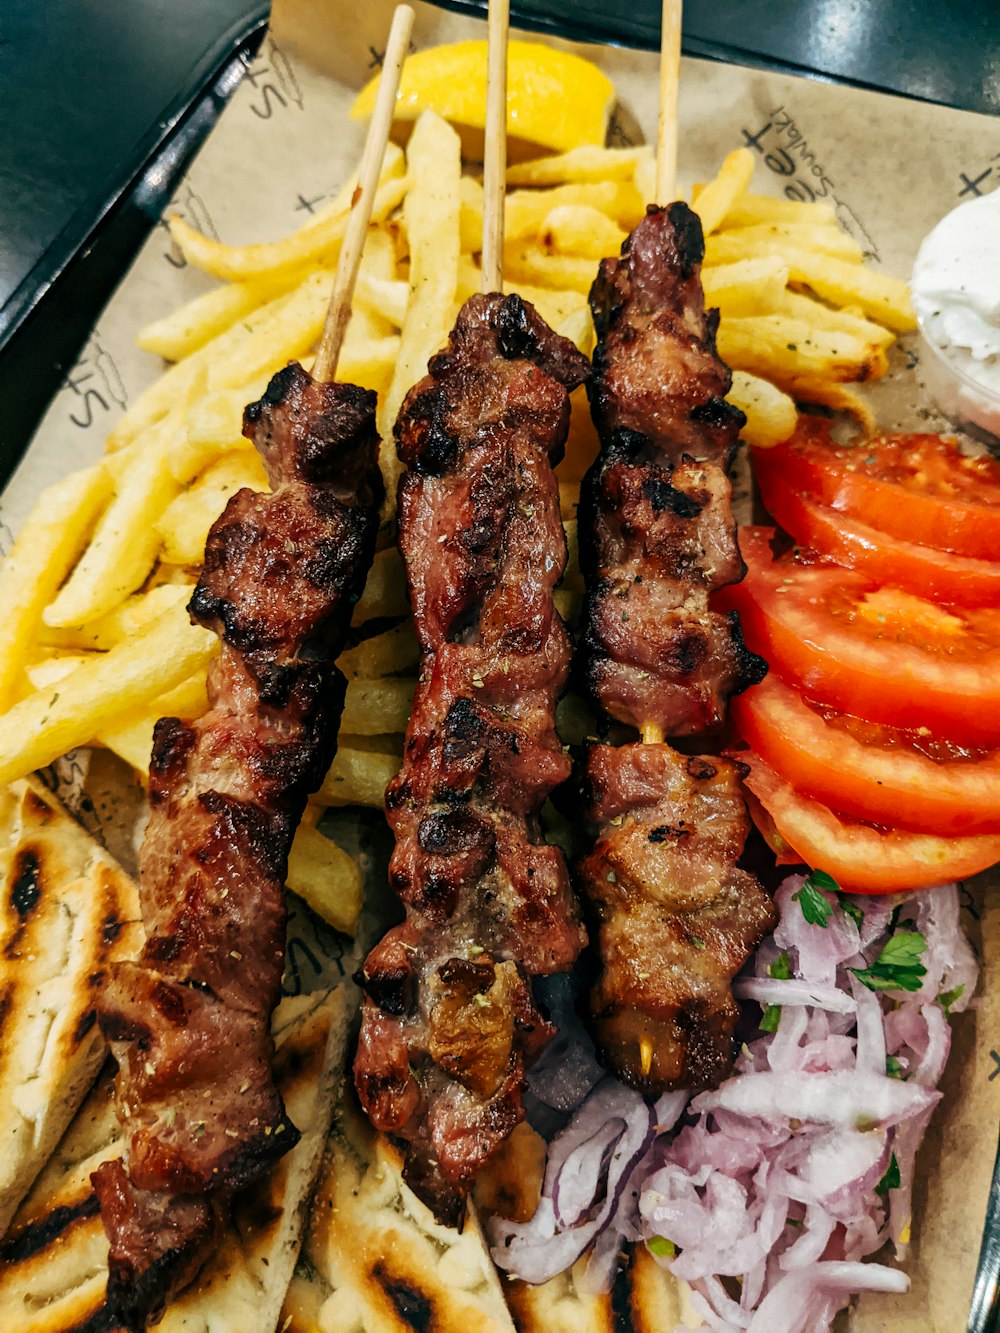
point(765, 1193)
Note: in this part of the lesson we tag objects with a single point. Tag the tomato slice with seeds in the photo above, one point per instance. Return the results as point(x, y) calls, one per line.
point(925, 571)
point(862, 859)
point(867, 771)
point(918, 488)
point(877, 653)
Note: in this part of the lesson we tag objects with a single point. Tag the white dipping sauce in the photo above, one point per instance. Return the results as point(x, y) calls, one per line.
point(956, 296)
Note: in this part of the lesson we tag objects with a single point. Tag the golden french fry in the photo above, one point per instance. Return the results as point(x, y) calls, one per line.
point(569, 500)
point(581, 443)
point(572, 577)
point(320, 241)
point(752, 209)
point(50, 670)
point(385, 654)
point(374, 707)
point(882, 298)
point(184, 524)
point(387, 297)
point(779, 349)
point(123, 548)
point(782, 238)
point(569, 603)
point(817, 389)
point(586, 163)
point(326, 877)
point(716, 199)
point(120, 624)
point(580, 229)
point(771, 415)
point(368, 362)
point(130, 736)
point(471, 218)
point(746, 287)
point(49, 722)
point(836, 321)
point(195, 323)
point(527, 262)
point(431, 214)
point(527, 210)
point(40, 559)
point(385, 588)
point(578, 327)
point(358, 777)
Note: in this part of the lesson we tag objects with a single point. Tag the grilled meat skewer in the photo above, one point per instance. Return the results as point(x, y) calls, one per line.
point(189, 1022)
point(449, 1024)
point(675, 918)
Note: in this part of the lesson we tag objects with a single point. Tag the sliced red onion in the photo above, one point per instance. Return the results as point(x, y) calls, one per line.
point(576, 1186)
point(794, 991)
point(844, 1168)
point(848, 1100)
point(787, 1304)
point(870, 1054)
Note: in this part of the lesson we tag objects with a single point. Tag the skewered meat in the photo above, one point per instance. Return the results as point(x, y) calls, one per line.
point(189, 1022)
point(657, 534)
point(449, 1024)
point(677, 918)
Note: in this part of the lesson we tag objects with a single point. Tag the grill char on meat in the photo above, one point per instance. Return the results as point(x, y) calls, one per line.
point(657, 533)
point(675, 918)
point(449, 1023)
point(189, 1022)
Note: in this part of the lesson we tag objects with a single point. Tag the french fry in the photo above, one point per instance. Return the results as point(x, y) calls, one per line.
point(319, 241)
point(431, 214)
point(130, 736)
point(53, 537)
point(569, 500)
point(50, 670)
point(782, 238)
point(779, 349)
point(374, 707)
point(752, 209)
point(385, 654)
point(388, 297)
point(48, 723)
point(368, 362)
point(471, 217)
point(358, 777)
point(123, 548)
point(184, 524)
point(385, 588)
point(527, 262)
point(578, 327)
point(527, 210)
point(836, 321)
point(572, 577)
point(882, 298)
point(818, 389)
point(714, 200)
point(326, 877)
point(197, 322)
point(746, 287)
point(581, 443)
point(587, 163)
point(569, 603)
point(580, 229)
point(126, 619)
point(771, 415)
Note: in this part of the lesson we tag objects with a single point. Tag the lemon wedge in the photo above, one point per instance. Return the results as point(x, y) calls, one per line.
point(555, 101)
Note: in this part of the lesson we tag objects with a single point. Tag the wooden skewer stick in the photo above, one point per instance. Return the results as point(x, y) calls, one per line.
point(666, 182)
point(339, 310)
point(495, 147)
point(670, 69)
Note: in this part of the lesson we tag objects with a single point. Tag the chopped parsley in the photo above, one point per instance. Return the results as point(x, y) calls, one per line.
point(661, 1247)
point(781, 968)
point(815, 905)
point(898, 966)
point(947, 998)
point(770, 1018)
point(890, 1181)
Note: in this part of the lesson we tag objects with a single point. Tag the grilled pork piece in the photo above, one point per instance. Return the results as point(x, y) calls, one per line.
point(677, 918)
point(656, 530)
point(190, 1021)
point(449, 1024)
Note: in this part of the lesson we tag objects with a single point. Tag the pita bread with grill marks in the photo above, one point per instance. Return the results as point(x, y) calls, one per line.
point(375, 1260)
point(67, 910)
point(53, 1261)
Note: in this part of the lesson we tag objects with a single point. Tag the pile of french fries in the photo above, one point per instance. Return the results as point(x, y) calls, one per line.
point(95, 641)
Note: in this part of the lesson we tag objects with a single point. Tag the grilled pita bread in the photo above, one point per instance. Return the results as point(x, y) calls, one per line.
point(53, 1263)
point(67, 910)
point(374, 1259)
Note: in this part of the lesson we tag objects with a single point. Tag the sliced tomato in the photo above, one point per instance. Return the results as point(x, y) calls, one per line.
point(919, 488)
point(874, 652)
point(956, 579)
point(868, 772)
point(861, 859)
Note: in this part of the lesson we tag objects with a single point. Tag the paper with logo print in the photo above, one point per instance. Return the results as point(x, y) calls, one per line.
point(890, 167)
